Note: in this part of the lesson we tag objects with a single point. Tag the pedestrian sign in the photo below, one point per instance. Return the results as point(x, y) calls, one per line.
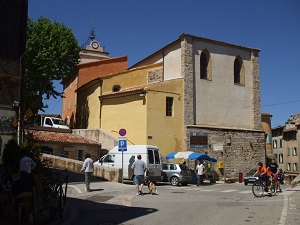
point(122, 144)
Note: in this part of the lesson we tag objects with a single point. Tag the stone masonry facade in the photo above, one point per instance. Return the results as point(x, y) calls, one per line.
point(246, 147)
point(256, 90)
point(155, 75)
point(239, 150)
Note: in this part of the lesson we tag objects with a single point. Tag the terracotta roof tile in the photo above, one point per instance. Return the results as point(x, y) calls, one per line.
point(47, 136)
point(124, 91)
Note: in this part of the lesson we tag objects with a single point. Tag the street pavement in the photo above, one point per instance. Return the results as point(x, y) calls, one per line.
point(117, 203)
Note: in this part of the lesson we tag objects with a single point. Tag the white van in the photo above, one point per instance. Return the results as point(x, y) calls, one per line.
point(150, 155)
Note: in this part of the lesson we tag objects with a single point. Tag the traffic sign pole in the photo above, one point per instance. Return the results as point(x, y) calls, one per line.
point(122, 145)
point(122, 167)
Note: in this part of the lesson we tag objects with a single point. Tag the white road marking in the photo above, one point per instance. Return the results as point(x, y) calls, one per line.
point(245, 192)
point(210, 190)
point(230, 190)
point(76, 188)
point(285, 207)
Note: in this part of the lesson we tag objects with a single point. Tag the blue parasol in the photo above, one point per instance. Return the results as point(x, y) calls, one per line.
point(190, 155)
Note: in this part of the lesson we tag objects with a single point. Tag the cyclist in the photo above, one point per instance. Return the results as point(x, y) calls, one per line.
point(264, 175)
point(274, 169)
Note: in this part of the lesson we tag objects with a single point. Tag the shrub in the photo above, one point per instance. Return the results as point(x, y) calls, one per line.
point(11, 155)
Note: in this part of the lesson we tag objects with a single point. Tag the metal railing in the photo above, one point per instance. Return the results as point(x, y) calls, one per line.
point(49, 200)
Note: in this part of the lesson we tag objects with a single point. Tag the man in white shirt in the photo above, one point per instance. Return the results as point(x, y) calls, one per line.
point(26, 163)
point(200, 173)
point(88, 169)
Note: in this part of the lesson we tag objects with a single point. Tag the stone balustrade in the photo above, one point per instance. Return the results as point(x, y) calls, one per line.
point(109, 174)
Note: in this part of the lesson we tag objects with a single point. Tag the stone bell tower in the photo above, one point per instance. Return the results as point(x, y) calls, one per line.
point(91, 50)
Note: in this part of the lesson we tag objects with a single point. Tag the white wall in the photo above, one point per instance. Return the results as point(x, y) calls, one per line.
point(171, 59)
point(220, 102)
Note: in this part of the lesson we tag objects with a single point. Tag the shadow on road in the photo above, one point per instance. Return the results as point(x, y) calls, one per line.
point(75, 177)
point(84, 212)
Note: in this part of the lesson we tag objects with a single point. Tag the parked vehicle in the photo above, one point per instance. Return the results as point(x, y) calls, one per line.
point(53, 122)
point(176, 174)
point(249, 178)
point(150, 155)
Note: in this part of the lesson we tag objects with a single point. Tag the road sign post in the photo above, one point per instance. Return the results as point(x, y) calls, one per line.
point(122, 146)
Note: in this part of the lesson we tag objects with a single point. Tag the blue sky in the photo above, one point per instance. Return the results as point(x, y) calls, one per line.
point(138, 28)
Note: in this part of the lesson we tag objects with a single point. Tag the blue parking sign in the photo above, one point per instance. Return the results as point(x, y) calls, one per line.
point(122, 144)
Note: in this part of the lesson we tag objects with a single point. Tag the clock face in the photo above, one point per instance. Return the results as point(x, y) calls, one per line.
point(95, 44)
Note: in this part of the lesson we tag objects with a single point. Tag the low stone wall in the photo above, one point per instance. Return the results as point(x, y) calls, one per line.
point(72, 165)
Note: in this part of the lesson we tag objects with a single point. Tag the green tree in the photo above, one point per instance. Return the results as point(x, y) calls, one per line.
point(52, 53)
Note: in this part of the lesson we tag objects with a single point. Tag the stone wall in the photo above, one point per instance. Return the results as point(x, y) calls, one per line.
point(187, 73)
point(109, 174)
point(239, 150)
point(256, 90)
point(155, 75)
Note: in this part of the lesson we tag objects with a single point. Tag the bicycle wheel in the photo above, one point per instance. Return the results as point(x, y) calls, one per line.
point(258, 189)
point(273, 188)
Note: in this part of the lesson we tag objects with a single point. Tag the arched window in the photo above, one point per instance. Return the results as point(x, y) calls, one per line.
point(239, 74)
point(205, 65)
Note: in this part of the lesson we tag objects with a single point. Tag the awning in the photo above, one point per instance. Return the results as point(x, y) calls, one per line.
point(190, 155)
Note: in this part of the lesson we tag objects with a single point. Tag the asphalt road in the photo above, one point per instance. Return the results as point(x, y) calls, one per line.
point(226, 204)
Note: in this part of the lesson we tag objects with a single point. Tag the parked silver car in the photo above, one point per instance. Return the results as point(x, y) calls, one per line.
point(176, 174)
point(249, 178)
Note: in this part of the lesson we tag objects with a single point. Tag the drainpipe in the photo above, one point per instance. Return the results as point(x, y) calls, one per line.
point(100, 112)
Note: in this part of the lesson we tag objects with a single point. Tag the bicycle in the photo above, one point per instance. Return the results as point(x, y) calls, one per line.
point(259, 187)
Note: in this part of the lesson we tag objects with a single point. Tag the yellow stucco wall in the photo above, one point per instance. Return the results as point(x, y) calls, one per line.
point(143, 117)
point(131, 78)
point(88, 107)
point(167, 132)
point(128, 112)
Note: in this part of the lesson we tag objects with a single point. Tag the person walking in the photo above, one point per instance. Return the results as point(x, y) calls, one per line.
point(88, 169)
point(139, 167)
point(200, 173)
point(26, 163)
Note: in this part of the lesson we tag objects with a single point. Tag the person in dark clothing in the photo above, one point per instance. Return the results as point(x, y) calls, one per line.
point(7, 178)
point(274, 169)
point(23, 184)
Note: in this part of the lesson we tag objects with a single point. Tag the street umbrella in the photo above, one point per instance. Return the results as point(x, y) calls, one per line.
point(190, 155)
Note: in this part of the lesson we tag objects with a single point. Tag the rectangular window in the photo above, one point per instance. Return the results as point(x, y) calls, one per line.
point(294, 151)
point(156, 157)
point(288, 151)
point(150, 156)
point(269, 139)
point(280, 143)
point(281, 158)
point(169, 106)
point(295, 167)
point(69, 103)
point(173, 167)
point(80, 155)
point(75, 98)
point(275, 144)
point(288, 166)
